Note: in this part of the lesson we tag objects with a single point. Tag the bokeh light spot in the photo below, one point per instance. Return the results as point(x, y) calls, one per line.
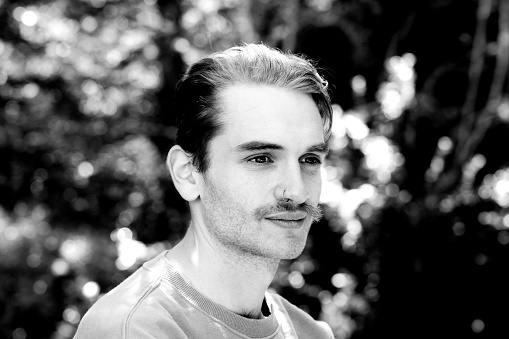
point(181, 45)
point(71, 315)
point(11, 233)
point(89, 24)
point(129, 251)
point(503, 237)
point(40, 287)
point(124, 234)
point(136, 199)
point(355, 127)
point(75, 249)
point(29, 18)
point(85, 169)
point(34, 260)
point(65, 330)
point(339, 280)
point(478, 326)
point(503, 110)
point(458, 228)
point(60, 267)
point(90, 290)
point(296, 279)
point(19, 333)
point(445, 144)
point(30, 90)
point(340, 299)
point(481, 259)
point(359, 85)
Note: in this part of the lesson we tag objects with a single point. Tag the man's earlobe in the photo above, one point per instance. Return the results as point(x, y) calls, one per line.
point(183, 173)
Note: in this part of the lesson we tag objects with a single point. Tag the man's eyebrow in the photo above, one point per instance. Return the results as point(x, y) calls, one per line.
point(258, 146)
point(320, 148)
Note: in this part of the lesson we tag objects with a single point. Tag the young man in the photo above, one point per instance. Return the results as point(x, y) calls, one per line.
point(252, 131)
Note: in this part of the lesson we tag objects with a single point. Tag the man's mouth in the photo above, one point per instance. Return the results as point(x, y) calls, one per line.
point(287, 216)
point(288, 219)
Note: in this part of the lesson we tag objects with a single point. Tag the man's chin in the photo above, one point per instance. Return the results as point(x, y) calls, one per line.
point(293, 253)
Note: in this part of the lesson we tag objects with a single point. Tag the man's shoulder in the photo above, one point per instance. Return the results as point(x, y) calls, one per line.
point(302, 322)
point(116, 313)
point(132, 290)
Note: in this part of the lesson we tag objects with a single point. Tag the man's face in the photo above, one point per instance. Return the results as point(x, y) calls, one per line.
point(272, 140)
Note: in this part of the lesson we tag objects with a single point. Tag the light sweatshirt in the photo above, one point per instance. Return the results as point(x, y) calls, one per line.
point(156, 302)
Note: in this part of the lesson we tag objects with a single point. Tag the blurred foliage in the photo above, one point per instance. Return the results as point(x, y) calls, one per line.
point(416, 188)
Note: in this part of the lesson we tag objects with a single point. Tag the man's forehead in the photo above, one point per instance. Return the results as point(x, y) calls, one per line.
point(250, 134)
point(249, 96)
point(269, 114)
point(264, 104)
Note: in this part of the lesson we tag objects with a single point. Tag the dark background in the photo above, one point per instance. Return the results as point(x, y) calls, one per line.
point(414, 243)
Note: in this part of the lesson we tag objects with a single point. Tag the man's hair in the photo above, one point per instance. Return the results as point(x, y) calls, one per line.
point(197, 100)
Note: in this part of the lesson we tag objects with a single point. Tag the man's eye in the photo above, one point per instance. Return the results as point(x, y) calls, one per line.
point(260, 159)
point(312, 161)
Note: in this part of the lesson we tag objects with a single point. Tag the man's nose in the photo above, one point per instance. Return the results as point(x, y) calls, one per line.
point(294, 184)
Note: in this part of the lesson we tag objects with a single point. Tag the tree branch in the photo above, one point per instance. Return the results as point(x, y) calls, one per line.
point(464, 133)
point(477, 57)
point(502, 55)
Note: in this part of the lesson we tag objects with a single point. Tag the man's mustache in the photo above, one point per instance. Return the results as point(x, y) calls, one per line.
point(314, 212)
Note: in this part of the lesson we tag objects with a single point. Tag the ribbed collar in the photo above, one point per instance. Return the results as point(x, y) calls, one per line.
point(252, 328)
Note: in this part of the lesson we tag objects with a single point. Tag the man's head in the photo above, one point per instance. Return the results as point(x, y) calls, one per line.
point(253, 129)
point(197, 97)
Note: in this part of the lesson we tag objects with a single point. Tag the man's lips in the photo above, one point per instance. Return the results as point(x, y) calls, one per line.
point(287, 216)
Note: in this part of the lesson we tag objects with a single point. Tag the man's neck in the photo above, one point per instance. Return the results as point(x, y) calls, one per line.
point(233, 280)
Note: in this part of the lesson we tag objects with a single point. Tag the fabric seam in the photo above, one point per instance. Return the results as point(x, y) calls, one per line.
point(149, 290)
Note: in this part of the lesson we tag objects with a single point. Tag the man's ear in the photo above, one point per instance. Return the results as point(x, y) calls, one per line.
point(183, 173)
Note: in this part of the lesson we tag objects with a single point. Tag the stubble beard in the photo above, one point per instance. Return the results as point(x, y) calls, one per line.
point(236, 229)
